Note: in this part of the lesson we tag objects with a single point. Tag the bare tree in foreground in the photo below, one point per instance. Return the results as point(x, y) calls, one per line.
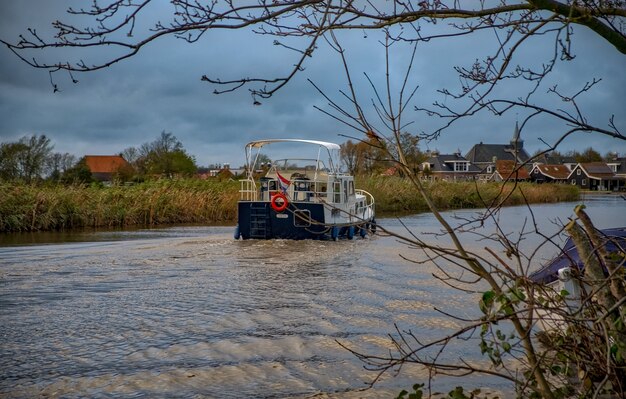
point(593, 348)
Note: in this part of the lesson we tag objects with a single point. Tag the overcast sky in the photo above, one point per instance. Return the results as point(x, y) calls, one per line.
point(160, 89)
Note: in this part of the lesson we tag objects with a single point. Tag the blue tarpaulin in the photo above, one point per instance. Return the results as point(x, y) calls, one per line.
point(614, 239)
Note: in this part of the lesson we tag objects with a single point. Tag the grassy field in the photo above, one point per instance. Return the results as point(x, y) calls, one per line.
point(58, 207)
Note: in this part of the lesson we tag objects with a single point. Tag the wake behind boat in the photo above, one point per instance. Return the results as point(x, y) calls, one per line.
point(301, 197)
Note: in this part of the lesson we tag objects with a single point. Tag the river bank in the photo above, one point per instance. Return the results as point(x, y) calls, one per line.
point(26, 208)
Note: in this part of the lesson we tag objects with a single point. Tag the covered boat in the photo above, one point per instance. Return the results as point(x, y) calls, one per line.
point(305, 196)
point(559, 267)
point(562, 274)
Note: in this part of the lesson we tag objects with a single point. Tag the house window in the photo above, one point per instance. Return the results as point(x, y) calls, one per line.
point(573, 182)
point(584, 182)
point(578, 172)
point(489, 169)
point(460, 167)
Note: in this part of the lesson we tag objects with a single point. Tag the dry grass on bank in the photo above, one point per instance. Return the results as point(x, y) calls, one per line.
point(397, 195)
point(59, 207)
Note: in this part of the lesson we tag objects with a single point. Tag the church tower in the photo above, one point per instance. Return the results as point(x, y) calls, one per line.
point(517, 143)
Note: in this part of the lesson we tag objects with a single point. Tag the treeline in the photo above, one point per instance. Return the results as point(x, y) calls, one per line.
point(28, 207)
point(370, 157)
point(32, 159)
point(587, 155)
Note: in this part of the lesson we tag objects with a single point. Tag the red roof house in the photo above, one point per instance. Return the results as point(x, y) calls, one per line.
point(103, 167)
point(509, 170)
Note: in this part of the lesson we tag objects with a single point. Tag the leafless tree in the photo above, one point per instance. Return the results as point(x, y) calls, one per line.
point(301, 27)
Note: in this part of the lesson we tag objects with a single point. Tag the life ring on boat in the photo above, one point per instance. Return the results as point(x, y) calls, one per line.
point(279, 207)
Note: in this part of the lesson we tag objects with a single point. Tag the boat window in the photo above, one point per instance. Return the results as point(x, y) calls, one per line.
point(321, 189)
point(302, 218)
point(345, 191)
point(337, 192)
point(351, 188)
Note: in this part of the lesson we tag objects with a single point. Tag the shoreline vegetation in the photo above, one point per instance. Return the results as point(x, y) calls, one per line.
point(50, 207)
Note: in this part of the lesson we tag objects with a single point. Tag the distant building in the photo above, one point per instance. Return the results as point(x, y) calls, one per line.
point(556, 159)
point(219, 172)
point(509, 170)
point(549, 173)
point(596, 176)
point(391, 171)
point(484, 156)
point(618, 166)
point(104, 167)
point(451, 167)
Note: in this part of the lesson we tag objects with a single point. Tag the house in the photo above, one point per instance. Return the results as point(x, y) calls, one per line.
point(541, 173)
point(104, 167)
point(556, 159)
point(484, 156)
point(509, 170)
point(594, 176)
point(219, 172)
point(392, 171)
point(451, 167)
point(618, 166)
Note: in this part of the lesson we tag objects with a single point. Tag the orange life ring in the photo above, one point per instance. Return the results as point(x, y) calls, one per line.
point(276, 206)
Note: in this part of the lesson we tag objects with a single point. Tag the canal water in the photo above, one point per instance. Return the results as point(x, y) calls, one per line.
point(190, 312)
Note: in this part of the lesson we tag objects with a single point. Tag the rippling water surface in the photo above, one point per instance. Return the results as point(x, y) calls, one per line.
point(189, 312)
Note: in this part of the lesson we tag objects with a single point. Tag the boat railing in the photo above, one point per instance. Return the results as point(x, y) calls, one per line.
point(300, 190)
point(248, 190)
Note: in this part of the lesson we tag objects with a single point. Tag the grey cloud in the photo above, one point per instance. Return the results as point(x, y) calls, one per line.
point(160, 89)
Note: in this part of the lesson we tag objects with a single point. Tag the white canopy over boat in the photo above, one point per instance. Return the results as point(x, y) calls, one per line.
point(261, 143)
point(332, 151)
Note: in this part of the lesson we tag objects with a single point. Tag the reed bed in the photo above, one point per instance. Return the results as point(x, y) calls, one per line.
point(56, 207)
point(397, 195)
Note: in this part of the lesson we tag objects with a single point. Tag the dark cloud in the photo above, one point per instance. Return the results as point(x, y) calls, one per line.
point(131, 102)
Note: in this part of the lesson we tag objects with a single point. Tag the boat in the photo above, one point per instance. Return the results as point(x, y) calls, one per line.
point(559, 268)
point(562, 275)
point(301, 197)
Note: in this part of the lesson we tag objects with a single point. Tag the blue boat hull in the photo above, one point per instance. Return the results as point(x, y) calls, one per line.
point(300, 221)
